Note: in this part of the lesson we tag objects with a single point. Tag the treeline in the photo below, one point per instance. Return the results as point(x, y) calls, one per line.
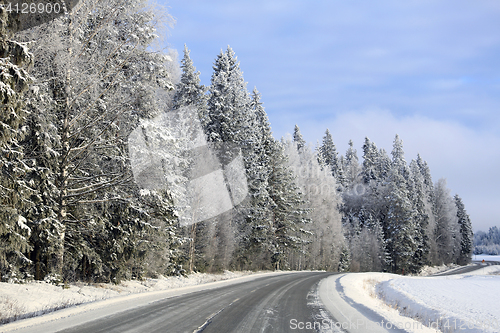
point(72, 210)
point(394, 217)
point(487, 243)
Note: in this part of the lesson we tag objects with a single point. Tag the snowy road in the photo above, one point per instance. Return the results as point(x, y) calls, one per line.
point(276, 303)
point(271, 302)
point(477, 265)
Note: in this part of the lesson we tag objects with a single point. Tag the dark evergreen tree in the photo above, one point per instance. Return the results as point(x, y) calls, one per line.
point(370, 158)
point(328, 156)
point(297, 138)
point(14, 191)
point(466, 233)
point(288, 216)
point(42, 216)
point(421, 217)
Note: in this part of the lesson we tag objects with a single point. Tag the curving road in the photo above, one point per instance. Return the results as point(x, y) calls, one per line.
point(281, 303)
point(467, 269)
point(272, 303)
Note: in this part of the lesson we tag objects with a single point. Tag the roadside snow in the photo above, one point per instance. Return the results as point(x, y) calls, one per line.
point(456, 303)
point(362, 289)
point(431, 270)
point(450, 303)
point(19, 301)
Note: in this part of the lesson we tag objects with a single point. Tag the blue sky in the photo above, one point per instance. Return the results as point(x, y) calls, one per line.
point(426, 70)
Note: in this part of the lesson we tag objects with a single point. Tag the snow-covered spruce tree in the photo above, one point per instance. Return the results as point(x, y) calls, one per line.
point(231, 124)
point(95, 66)
point(228, 102)
point(399, 224)
point(466, 233)
point(351, 167)
point(328, 155)
point(189, 91)
point(418, 199)
point(327, 152)
point(297, 138)
point(383, 165)
point(370, 158)
point(42, 216)
point(345, 260)
point(447, 232)
point(288, 216)
point(14, 191)
point(255, 248)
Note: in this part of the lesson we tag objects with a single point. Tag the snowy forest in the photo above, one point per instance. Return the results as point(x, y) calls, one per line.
point(75, 88)
point(487, 242)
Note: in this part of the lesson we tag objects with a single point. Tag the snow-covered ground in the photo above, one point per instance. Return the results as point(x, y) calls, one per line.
point(456, 303)
point(19, 301)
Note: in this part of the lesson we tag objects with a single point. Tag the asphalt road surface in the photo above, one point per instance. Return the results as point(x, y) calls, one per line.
point(466, 269)
point(274, 303)
point(269, 304)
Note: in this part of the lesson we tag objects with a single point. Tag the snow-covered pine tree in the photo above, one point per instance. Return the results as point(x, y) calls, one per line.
point(42, 216)
point(466, 233)
point(297, 138)
point(329, 156)
point(398, 160)
point(327, 151)
point(255, 252)
point(228, 102)
point(370, 157)
point(399, 224)
point(383, 165)
point(352, 168)
point(14, 191)
point(288, 216)
point(232, 124)
point(418, 199)
point(189, 91)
